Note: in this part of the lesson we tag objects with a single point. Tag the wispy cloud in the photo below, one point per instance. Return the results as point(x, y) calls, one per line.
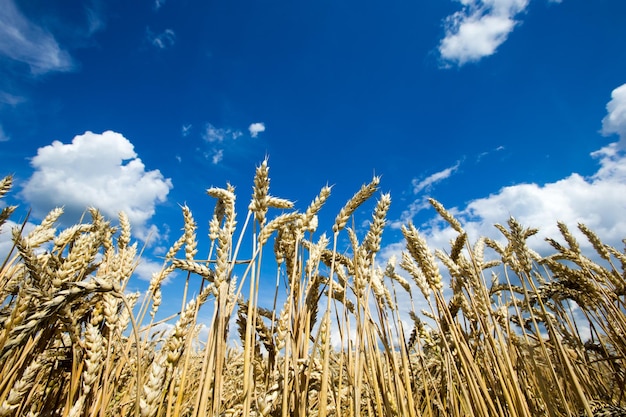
point(186, 130)
point(256, 128)
point(96, 170)
point(478, 29)
point(214, 134)
point(158, 4)
point(426, 183)
point(3, 136)
point(218, 155)
point(10, 99)
point(218, 138)
point(163, 40)
point(23, 41)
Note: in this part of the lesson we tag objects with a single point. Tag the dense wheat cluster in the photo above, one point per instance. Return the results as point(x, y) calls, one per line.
point(500, 335)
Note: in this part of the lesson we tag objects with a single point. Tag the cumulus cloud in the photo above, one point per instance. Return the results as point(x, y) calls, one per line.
point(163, 40)
point(478, 29)
point(256, 128)
point(615, 120)
point(99, 170)
point(146, 267)
point(598, 200)
point(23, 41)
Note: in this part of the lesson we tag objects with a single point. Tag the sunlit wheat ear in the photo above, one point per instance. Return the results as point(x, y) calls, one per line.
point(83, 253)
point(390, 271)
point(20, 388)
point(595, 241)
point(315, 254)
point(157, 298)
point(372, 240)
point(260, 192)
point(189, 234)
point(124, 239)
point(125, 314)
point(28, 256)
point(45, 231)
point(517, 236)
point(279, 203)
point(310, 215)
point(457, 246)
point(66, 236)
point(227, 198)
point(49, 308)
point(569, 238)
point(195, 268)
point(5, 185)
point(153, 387)
point(446, 215)
point(380, 291)
point(419, 250)
point(5, 214)
point(408, 264)
point(94, 356)
point(175, 342)
point(366, 191)
point(110, 309)
point(276, 224)
point(282, 327)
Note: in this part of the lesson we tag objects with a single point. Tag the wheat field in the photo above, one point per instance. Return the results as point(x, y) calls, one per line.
point(500, 336)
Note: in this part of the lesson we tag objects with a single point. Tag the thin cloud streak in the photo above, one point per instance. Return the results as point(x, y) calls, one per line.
point(25, 42)
point(431, 180)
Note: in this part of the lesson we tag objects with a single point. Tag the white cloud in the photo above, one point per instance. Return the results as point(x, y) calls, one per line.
point(99, 170)
point(163, 40)
point(25, 42)
point(256, 128)
point(598, 201)
point(479, 29)
point(3, 136)
point(146, 267)
point(214, 134)
point(429, 181)
point(186, 130)
point(218, 155)
point(216, 137)
point(615, 120)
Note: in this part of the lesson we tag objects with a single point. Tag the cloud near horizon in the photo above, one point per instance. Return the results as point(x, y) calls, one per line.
point(598, 201)
point(478, 29)
point(96, 170)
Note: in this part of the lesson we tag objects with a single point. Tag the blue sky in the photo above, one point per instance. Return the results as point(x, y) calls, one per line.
point(493, 107)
